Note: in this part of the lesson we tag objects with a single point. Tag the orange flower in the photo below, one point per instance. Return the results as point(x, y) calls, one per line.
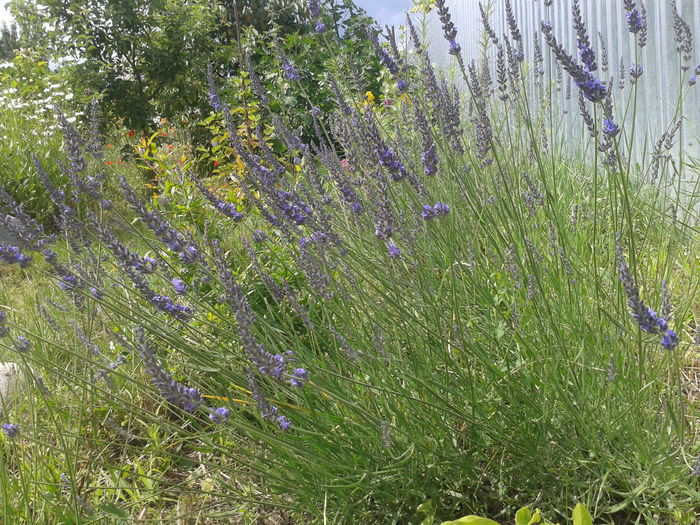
point(109, 163)
point(109, 146)
point(170, 146)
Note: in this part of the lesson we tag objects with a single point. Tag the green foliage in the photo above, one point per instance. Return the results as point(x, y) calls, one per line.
point(525, 516)
point(28, 93)
point(143, 58)
point(148, 60)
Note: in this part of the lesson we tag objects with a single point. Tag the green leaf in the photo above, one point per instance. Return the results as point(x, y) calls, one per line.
point(428, 508)
point(471, 520)
point(523, 516)
point(581, 515)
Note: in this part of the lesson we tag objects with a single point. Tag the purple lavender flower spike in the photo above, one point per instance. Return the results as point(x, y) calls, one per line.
point(384, 57)
point(647, 319)
point(670, 340)
point(189, 399)
point(226, 208)
point(609, 127)
point(267, 410)
point(299, 377)
point(10, 430)
point(314, 8)
point(487, 24)
point(273, 366)
point(430, 212)
point(23, 228)
point(584, 45)
point(259, 236)
point(22, 344)
point(394, 251)
point(284, 423)
point(448, 27)
point(265, 362)
point(320, 27)
point(186, 250)
point(388, 160)
point(180, 286)
point(429, 155)
point(636, 71)
point(13, 255)
point(290, 71)
point(220, 415)
point(591, 88)
point(635, 21)
point(214, 99)
point(4, 331)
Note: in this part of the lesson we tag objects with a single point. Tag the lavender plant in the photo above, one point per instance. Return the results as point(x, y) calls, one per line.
point(408, 304)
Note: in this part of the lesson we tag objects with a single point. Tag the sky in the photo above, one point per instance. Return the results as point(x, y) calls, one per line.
point(386, 12)
point(4, 14)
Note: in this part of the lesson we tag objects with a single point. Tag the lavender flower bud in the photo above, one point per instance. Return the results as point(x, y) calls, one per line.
point(189, 399)
point(609, 127)
point(13, 255)
point(10, 430)
point(437, 210)
point(180, 286)
point(670, 340)
point(636, 71)
point(22, 344)
point(299, 377)
point(220, 415)
point(394, 251)
point(284, 423)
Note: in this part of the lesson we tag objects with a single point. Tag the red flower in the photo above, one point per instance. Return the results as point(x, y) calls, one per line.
point(216, 163)
point(131, 133)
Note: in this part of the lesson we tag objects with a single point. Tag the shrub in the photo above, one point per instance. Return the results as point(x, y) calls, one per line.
point(446, 308)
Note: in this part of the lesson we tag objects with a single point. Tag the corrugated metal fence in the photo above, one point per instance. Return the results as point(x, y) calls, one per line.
point(606, 21)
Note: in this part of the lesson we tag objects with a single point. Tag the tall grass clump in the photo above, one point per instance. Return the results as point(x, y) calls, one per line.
point(440, 301)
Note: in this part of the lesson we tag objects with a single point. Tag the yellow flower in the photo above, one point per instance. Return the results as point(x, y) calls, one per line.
point(369, 97)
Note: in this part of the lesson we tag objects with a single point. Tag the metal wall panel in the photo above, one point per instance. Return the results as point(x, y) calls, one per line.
point(658, 90)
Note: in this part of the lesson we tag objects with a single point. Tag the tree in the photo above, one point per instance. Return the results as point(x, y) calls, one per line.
point(9, 41)
point(144, 58)
point(149, 59)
